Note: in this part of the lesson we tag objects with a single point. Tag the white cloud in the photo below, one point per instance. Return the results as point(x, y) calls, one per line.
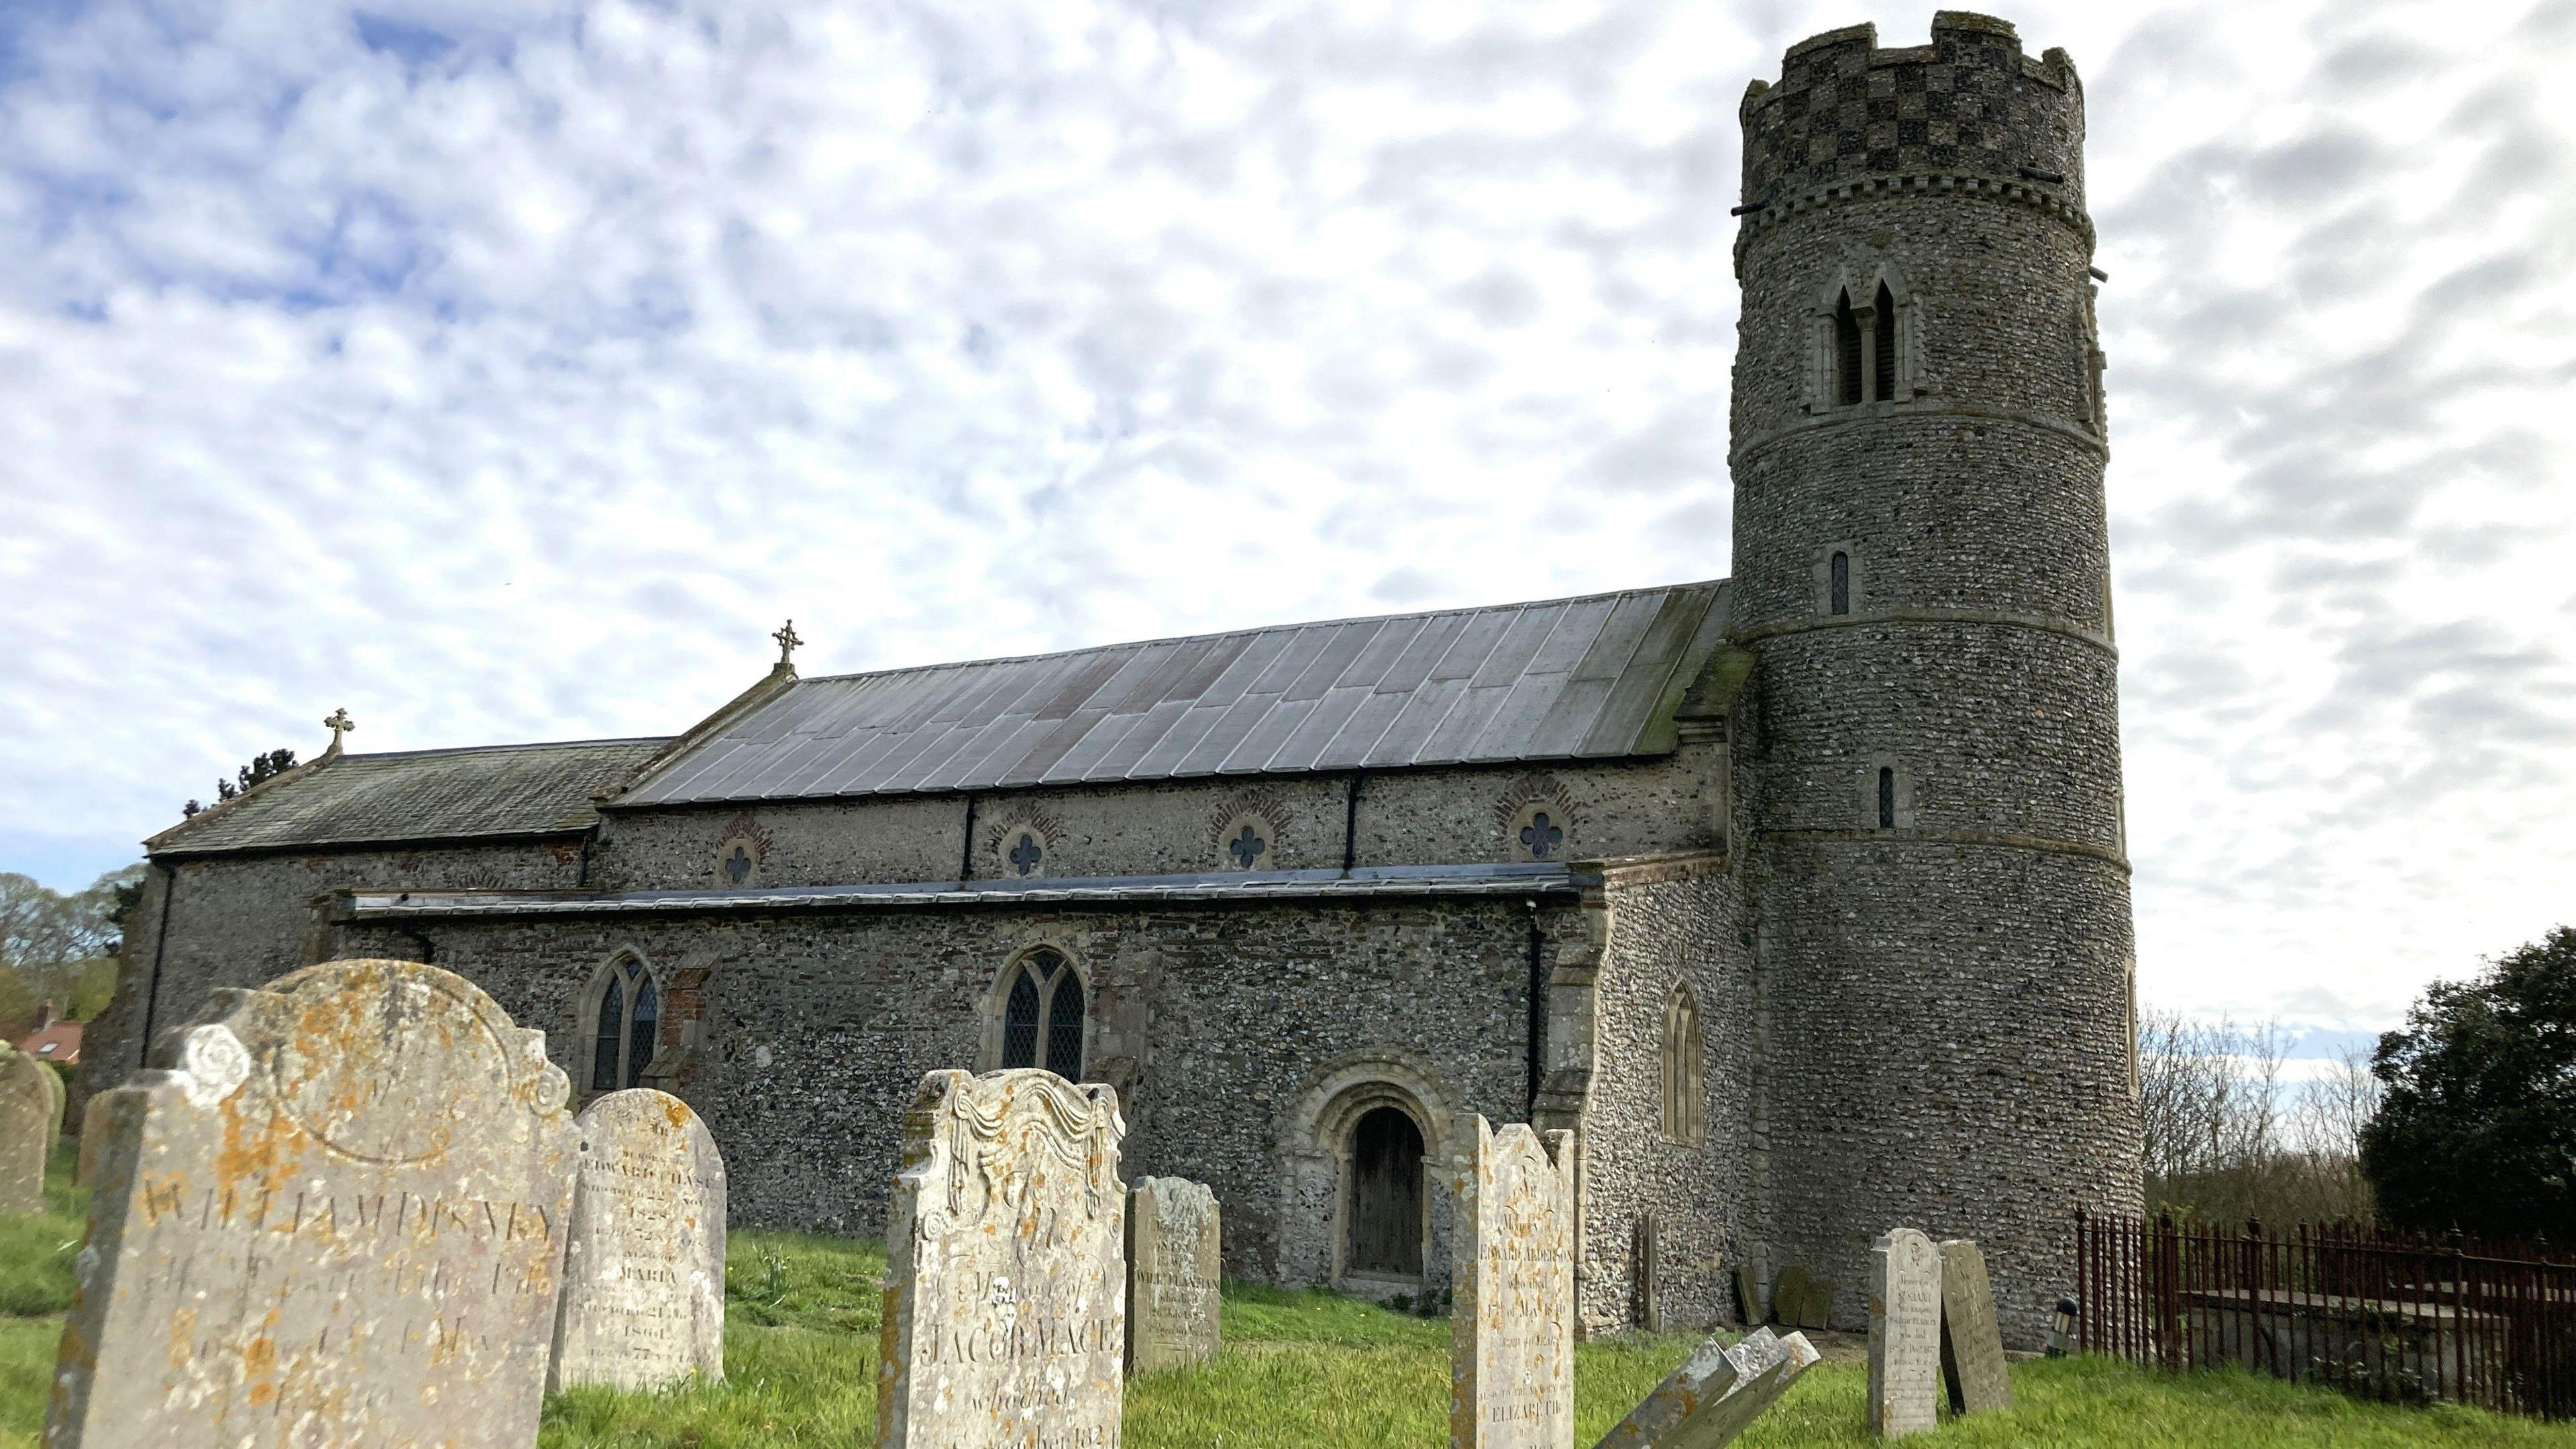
point(506, 371)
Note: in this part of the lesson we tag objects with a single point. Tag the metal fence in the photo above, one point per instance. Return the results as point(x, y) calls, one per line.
point(2408, 1320)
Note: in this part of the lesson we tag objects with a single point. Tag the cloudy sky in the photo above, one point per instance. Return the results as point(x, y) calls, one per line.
point(507, 370)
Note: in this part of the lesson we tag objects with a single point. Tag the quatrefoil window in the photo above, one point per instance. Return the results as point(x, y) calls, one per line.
point(1025, 853)
point(738, 861)
point(1539, 830)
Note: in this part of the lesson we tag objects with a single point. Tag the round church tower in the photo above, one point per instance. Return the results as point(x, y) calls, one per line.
point(1932, 773)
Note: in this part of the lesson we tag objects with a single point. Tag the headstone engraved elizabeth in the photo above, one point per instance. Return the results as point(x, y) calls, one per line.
point(334, 1216)
point(1904, 1334)
point(26, 1126)
point(1511, 1373)
point(1173, 1269)
point(1972, 1343)
point(1715, 1393)
point(644, 1260)
point(1006, 1281)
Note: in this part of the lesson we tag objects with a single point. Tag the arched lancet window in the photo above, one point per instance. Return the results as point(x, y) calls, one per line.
point(1847, 371)
point(1886, 797)
point(1042, 1016)
point(1839, 589)
point(1883, 384)
point(1685, 1089)
point(627, 1028)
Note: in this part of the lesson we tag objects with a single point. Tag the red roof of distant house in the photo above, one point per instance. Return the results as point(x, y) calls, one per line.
point(59, 1042)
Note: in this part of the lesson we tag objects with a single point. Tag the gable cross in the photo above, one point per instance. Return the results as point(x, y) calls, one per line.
point(1027, 854)
point(339, 724)
point(1540, 836)
point(785, 634)
point(1247, 848)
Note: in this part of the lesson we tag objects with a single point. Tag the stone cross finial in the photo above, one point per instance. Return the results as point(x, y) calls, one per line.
point(787, 641)
point(339, 724)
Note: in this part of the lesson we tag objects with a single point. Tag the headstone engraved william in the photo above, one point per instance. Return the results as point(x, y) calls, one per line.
point(1511, 1373)
point(1904, 1334)
point(1715, 1393)
point(644, 1259)
point(1173, 1268)
point(1972, 1343)
point(26, 1131)
point(332, 1217)
point(1005, 1294)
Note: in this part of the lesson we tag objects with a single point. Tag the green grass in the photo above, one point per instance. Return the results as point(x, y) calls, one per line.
point(1301, 1370)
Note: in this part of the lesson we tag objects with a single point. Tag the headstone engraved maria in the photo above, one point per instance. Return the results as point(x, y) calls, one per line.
point(1511, 1373)
point(644, 1259)
point(1904, 1334)
point(26, 1121)
point(1173, 1269)
point(1972, 1343)
point(334, 1216)
point(1005, 1293)
point(1715, 1393)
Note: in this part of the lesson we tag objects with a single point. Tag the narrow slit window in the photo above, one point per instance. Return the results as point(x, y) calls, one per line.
point(1886, 798)
point(1883, 386)
point(1839, 601)
point(1846, 353)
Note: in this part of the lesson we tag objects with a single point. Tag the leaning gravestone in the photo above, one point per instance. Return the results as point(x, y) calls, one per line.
point(93, 1133)
point(1904, 1334)
point(1511, 1371)
point(1972, 1344)
point(1715, 1393)
point(333, 1217)
point(1172, 1274)
point(1005, 1287)
point(26, 1121)
point(644, 1260)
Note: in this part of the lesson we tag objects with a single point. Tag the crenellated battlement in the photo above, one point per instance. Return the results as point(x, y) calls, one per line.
point(1969, 103)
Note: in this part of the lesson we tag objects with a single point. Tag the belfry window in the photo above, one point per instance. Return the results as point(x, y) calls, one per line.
point(1847, 368)
point(1838, 590)
point(1042, 1016)
point(625, 1027)
point(1883, 358)
point(1886, 797)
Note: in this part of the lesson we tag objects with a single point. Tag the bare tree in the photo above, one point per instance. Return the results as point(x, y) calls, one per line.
point(2226, 1141)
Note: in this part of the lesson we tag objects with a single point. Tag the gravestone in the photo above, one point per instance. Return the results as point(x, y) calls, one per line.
point(93, 1133)
point(644, 1260)
point(1647, 1254)
point(1972, 1344)
point(1904, 1334)
point(1005, 1291)
point(56, 1098)
point(1511, 1372)
point(1752, 1280)
point(1173, 1269)
point(333, 1216)
point(1801, 1300)
point(26, 1122)
point(1715, 1393)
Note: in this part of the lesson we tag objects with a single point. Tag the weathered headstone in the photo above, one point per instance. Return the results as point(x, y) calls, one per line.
point(1511, 1372)
point(1904, 1334)
point(1801, 1300)
point(334, 1216)
point(1647, 1253)
point(1753, 1286)
point(1006, 1281)
point(1972, 1344)
point(93, 1135)
point(57, 1097)
point(26, 1121)
point(1715, 1393)
point(644, 1259)
point(1173, 1274)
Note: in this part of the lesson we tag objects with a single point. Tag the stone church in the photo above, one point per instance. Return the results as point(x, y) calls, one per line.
point(1800, 896)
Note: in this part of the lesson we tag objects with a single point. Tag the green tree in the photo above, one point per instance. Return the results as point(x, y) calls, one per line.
point(260, 770)
point(51, 944)
point(2478, 1130)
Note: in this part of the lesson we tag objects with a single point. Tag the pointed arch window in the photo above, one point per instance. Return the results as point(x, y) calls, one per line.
point(1685, 1088)
point(626, 1026)
point(1847, 368)
point(1042, 1016)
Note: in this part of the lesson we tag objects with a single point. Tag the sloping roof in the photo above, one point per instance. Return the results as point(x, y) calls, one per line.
point(417, 795)
point(60, 1042)
point(1594, 677)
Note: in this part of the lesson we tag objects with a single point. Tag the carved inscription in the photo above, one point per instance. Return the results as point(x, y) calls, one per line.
point(1904, 1334)
point(250, 1281)
point(1512, 1335)
point(1005, 1296)
point(1172, 1274)
point(643, 1297)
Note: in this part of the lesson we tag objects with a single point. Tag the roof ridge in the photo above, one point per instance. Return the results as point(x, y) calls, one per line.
point(1257, 629)
point(497, 749)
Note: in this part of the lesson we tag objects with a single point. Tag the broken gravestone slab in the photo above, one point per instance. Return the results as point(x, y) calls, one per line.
point(26, 1130)
point(1904, 1334)
point(1511, 1373)
point(1006, 1281)
point(334, 1216)
point(1972, 1344)
point(644, 1260)
point(1173, 1269)
point(1715, 1393)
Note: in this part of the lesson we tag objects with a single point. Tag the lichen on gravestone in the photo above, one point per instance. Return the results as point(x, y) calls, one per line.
point(1511, 1375)
point(644, 1259)
point(1972, 1343)
point(1904, 1334)
point(26, 1130)
point(1715, 1394)
point(1173, 1268)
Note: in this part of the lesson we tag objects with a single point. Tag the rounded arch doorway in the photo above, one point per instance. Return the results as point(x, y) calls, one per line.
point(1383, 1213)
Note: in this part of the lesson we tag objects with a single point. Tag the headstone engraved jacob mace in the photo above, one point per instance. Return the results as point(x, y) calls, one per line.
point(1172, 1274)
point(1511, 1373)
point(333, 1216)
point(644, 1260)
point(1904, 1334)
point(1006, 1278)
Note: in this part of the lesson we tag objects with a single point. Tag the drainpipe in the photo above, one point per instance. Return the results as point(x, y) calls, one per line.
point(160, 943)
point(1535, 1034)
point(966, 851)
point(1351, 824)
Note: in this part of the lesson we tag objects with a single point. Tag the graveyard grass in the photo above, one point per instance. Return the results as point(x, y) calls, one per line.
point(1299, 1371)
